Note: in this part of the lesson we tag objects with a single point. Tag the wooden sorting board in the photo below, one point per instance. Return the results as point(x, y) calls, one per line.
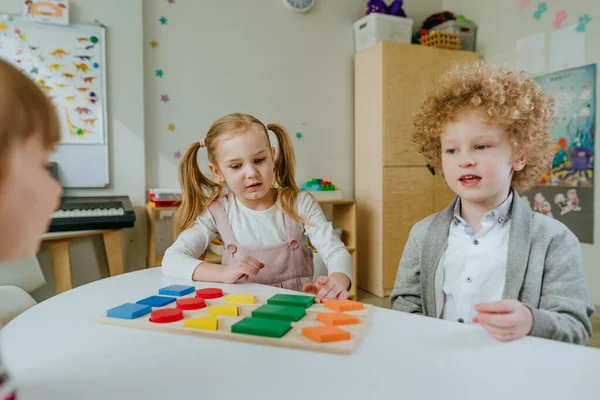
point(293, 338)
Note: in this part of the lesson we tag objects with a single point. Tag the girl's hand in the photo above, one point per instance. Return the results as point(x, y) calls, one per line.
point(505, 320)
point(246, 265)
point(327, 288)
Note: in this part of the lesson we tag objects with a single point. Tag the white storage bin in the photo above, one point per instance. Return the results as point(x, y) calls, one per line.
point(375, 27)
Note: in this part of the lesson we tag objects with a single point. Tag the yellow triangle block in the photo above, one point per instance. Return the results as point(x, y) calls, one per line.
point(224, 309)
point(208, 322)
point(243, 298)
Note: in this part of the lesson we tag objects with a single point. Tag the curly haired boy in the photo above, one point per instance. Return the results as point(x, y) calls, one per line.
point(488, 258)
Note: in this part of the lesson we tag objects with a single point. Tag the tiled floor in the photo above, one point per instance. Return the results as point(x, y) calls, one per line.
point(368, 298)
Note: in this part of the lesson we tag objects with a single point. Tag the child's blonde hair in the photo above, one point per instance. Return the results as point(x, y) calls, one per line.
point(199, 191)
point(24, 111)
point(506, 99)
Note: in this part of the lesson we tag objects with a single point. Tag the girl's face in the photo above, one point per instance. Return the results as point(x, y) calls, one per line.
point(28, 197)
point(246, 162)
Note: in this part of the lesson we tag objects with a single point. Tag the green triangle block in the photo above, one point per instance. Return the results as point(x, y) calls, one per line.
point(284, 313)
point(262, 327)
point(291, 300)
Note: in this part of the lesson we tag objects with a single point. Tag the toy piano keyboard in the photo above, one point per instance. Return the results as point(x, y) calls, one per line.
point(285, 320)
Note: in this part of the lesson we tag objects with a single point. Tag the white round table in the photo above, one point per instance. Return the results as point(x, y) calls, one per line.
point(57, 350)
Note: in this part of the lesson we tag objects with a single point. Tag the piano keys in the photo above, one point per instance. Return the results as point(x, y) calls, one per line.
point(88, 213)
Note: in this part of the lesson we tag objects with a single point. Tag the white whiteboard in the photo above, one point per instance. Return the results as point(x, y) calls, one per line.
point(68, 63)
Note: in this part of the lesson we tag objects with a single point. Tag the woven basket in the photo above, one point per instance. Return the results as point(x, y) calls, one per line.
point(441, 40)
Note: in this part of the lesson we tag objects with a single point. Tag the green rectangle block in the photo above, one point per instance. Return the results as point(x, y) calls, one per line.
point(284, 313)
point(262, 327)
point(291, 300)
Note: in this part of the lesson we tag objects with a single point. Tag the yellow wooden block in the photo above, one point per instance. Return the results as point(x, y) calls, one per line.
point(243, 298)
point(224, 309)
point(208, 322)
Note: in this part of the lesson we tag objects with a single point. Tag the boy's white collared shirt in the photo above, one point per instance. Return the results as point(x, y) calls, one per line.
point(475, 263)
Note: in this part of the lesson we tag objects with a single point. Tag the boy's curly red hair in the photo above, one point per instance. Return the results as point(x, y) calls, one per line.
point(507, 99)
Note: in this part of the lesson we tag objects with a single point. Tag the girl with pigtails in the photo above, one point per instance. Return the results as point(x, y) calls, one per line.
point(263, 219)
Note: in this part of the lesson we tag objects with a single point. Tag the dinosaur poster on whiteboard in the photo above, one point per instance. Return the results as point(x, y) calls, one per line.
point(67, 66)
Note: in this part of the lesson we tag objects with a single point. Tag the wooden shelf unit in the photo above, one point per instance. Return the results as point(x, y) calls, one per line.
point(394, 189)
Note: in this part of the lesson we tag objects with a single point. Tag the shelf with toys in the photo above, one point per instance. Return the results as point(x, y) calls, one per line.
point(342, 214)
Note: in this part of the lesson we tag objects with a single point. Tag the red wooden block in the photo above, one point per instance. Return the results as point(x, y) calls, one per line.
point(166, 315)
point(191, 304)
point(209, 293)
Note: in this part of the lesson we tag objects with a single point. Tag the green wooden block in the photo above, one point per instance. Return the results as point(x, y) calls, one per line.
point(262, 327)
point(285, 313)
point(291, 300)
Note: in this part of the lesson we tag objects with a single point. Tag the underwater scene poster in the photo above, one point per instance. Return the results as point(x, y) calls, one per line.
point(574, 92)
point(566, 191)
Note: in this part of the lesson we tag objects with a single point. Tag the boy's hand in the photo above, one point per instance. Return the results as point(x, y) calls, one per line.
point(327, 288)
point(243, 266)
point(505, 320)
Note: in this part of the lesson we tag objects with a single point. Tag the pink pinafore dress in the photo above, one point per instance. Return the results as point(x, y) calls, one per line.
point(287, 264)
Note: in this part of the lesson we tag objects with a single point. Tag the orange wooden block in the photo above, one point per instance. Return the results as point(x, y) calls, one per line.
point(325, 333)
point(337, 318)
point(343, 305)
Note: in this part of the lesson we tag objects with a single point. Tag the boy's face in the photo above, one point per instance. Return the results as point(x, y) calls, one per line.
point(28, 197)
point(478, 160)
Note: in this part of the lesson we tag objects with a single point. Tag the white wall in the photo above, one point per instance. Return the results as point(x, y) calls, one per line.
point(501, 24)
point(123, 20)
point(258, 57)
point(219, 57)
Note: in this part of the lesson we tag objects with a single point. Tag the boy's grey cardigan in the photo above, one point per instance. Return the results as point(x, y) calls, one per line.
point(544, 271)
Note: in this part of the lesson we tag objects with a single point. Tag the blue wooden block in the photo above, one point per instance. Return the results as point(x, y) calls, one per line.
point(157, 301)
point(176, 290)
point(129, 311)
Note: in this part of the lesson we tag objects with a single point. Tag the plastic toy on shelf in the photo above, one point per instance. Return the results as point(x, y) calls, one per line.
point(322, 189)
point(318, 184)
